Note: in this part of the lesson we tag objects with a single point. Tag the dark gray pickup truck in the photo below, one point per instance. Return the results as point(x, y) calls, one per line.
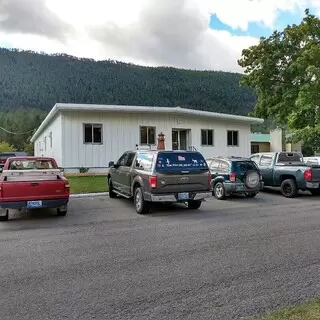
point(160, 176)
point(288, 171)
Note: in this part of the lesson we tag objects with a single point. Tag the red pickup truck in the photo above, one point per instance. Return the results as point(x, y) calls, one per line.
point(32, 183)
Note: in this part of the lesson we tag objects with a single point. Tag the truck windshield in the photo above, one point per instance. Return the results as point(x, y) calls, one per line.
point(190, 161)
point(31, 165)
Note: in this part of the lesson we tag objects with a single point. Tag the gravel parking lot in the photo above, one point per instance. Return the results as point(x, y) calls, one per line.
point(230, 259)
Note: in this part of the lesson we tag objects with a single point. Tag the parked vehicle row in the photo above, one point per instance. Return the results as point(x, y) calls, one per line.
point(177, 176)
point(154, 176)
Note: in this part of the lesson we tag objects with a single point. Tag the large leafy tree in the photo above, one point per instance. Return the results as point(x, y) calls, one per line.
point(284, 69)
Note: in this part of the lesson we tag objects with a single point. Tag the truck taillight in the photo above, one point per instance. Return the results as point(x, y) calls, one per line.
point(153, 182)
point(308, 175)
point(232, 177)
point(209, 179)
point(67, 188)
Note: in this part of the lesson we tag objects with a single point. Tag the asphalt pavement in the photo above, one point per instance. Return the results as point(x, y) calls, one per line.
point(228, 260)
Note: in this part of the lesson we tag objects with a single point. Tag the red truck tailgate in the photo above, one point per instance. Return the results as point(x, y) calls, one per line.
point(33, 185)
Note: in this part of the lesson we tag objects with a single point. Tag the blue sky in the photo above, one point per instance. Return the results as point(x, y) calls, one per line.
point(259, 29)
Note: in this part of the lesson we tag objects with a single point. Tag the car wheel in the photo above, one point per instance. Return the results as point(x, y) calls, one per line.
point(251, 194)
point(6, 217)
point(289, 188)
point(112, 194)
point(219, 191)
point(142, 206)
point(61, 213)
point(194, 204)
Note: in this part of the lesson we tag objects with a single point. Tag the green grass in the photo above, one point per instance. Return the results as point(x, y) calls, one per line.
point(87, 184)
point(307, 311)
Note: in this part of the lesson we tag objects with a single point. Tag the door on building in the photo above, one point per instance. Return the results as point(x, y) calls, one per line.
point(180, 139)
point(255, 148)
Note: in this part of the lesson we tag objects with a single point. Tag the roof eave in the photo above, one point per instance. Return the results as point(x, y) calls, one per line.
point(116, 108)
point(45, 122)
point(176, 110)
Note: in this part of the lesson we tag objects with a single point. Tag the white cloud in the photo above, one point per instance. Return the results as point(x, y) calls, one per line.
point(239, 13)
point(149, 32)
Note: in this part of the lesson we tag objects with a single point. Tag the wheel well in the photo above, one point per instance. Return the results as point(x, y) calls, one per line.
point(287, 176)
point(109, 176)
point(216, 181)
point(135, 186)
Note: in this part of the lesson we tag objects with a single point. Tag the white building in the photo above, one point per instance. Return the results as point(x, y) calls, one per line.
point(83, 135)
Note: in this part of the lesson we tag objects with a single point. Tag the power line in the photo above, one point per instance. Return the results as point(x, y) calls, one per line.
point(17, 132)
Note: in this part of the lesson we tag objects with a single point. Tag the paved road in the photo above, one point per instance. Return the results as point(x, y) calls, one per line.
point(228, 260)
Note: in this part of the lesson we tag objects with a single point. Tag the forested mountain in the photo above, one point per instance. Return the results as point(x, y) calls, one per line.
point(35, 82)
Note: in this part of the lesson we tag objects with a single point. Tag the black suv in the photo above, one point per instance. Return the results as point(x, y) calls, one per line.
point(160, 176)
point(234, 175)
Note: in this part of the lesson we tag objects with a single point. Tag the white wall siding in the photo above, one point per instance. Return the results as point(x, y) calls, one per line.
point(121, 132)
point(43, 145)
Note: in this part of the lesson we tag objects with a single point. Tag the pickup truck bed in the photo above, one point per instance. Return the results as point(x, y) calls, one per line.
point(33, 189)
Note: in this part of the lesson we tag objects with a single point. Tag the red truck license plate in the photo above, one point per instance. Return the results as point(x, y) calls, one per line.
point(34, 204)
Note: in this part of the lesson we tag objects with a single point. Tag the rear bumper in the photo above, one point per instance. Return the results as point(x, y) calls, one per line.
point(173, 197)
point(312, 185)
point(53, 203)
point(241, 187)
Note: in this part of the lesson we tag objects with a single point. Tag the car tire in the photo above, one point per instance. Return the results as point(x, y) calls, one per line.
point(219, 191)
point(61, 213)
point(252, 179)
point(251, 194)
point(142, 206)
point(112, 194)
point(6, 217)
point(289, 188)
point(194, 204)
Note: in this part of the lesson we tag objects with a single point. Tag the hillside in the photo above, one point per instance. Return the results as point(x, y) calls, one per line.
point(32, 80)
point(31, 83)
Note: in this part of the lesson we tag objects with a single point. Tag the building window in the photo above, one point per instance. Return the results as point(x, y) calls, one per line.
point(232, 138)
point(255, 148)
point(147, 135)
point(206, 137)
point(92, 133)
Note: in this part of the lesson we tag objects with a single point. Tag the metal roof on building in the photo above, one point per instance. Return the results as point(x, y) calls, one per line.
point(61, 107)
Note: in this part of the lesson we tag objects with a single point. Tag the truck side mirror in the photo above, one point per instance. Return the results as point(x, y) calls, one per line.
point(111, 164)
